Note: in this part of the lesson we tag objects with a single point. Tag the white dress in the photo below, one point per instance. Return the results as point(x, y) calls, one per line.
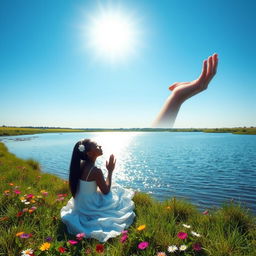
point(97, 215)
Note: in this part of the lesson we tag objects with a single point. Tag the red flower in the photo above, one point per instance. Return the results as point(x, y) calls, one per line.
point(182, 235)
point(99, 248)
point(62, 249)
point(197, 247)
point(19, 214)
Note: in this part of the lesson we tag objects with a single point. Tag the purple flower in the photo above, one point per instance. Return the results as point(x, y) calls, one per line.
point(48, 239)
point(143, 245)
point(25, 235)
point(197, 247)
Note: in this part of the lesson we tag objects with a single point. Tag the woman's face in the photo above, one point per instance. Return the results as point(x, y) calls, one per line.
point(95, 150)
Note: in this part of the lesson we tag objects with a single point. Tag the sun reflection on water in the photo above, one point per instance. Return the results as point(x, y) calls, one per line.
point(118, 144)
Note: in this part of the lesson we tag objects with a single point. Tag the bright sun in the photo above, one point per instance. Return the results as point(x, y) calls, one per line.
point(112, 35)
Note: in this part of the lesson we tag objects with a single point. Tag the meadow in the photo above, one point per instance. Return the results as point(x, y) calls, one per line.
point(30, 224)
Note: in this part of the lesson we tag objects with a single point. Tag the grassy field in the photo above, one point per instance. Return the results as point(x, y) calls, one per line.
point(30, 203)
point(9, 131)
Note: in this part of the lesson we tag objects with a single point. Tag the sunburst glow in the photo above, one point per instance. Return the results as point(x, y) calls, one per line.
point(112, 34)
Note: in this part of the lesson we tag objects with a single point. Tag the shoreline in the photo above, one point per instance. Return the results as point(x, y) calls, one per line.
point(13, 131)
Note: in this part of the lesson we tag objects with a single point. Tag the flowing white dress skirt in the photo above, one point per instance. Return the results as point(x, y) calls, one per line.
point(97, 215)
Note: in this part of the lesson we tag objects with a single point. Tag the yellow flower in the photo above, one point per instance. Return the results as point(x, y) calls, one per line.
point(168, 207)
point(141, 227)
point(45, 246)
point(32, 201)
point(22, 198)
point(19, 234)
point(39, 196)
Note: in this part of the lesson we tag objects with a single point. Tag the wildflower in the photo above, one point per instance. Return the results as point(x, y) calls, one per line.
point(19, 214)
point(19, 234)
point(172, 248)
point(44, 193)
point(186, 226)
point(28, 187)
point(73, 242)
point(11, 184)
point(124, 238)
point(39, 196)
point(197, 247)
point(25, 210)
point(195, 234)
point(141, 227)
point(25, 235)
point(168, 207)
point(80, 236)
point(27, 252)
point(16, 191)
point(205, 212)
point(124, 232)
point(161, 254)
point(48, 239)
point(183, 247)
point(26, 202)
point(61, 249)
point(99, 248)
point(143, 245)
point(45, 246)
point(182, 235)
point(30, 196)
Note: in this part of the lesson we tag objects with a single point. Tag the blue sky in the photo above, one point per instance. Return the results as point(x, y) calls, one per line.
point(49, 77)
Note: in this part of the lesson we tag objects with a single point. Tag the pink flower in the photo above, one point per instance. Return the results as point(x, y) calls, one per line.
point(16, 191)
point(197, 247)
point(206, 212)
point(124, 238)
point(182, 235)
point(73, 242)
point(143, 245)
point(80, 236)
point(124, 231)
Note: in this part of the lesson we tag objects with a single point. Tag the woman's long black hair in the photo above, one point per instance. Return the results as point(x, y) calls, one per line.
point(75, 165)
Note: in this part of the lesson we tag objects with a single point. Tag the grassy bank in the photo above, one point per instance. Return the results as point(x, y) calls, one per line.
point(30, 203)
point(9, 131)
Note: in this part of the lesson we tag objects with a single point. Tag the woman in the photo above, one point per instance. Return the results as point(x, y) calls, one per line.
point(96, 208)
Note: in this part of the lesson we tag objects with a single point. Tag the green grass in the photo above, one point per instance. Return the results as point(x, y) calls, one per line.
point(229, 230)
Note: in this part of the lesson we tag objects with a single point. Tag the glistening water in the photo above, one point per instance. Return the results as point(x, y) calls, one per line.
point(205, 168)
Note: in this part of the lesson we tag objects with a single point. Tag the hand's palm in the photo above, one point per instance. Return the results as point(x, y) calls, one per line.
point(184, 90)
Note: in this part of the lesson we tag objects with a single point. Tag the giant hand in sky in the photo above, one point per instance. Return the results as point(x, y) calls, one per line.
point(181, 91)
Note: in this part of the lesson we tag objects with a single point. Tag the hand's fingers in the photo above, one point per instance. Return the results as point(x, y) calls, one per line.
point(215, 64)
point(209, 68)
point(204, 71)
point(172, 87)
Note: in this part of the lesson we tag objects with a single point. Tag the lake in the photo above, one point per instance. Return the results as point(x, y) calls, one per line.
point(205, 168)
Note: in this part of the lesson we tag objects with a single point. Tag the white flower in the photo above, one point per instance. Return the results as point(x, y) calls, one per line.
point(186, 226)
point(27, 203)
point(27, 252)
point(81, 148)
point(183, 247)
point(172, 248)
point(195, 234)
